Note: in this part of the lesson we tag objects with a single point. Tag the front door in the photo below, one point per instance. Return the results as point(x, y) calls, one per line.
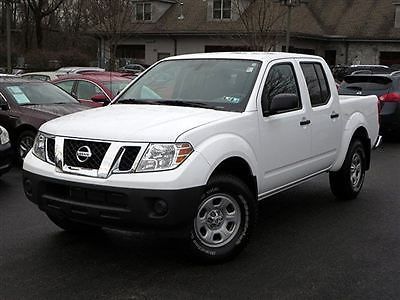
point(285, 135)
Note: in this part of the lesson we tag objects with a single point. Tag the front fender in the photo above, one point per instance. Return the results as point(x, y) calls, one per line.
point(356, 121)
point(223, 146)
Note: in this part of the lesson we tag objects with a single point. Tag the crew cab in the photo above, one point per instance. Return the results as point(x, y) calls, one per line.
point(196, 141)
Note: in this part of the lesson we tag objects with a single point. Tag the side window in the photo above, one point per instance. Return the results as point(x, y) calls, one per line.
point(66, 85)
point(317, 83)
point(281, 80)
point(86, 90)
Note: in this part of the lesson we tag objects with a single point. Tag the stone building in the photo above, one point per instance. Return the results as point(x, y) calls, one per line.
point(342, 31)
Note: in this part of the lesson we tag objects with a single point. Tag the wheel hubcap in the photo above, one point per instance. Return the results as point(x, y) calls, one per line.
point(25, 145)
point(356, 171)
point(218, 220)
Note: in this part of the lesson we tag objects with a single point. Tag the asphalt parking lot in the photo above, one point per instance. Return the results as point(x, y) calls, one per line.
point(307, 245)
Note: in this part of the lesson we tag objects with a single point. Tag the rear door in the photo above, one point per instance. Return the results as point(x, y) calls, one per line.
point(325, 116)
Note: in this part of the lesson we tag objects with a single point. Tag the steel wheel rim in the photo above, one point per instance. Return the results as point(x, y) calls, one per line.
point(25, 144)
point(356, 171)
point(218, 220)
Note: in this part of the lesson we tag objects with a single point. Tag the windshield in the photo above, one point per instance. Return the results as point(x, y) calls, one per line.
point(224, 84)
point(116, 86)
point(32, 93)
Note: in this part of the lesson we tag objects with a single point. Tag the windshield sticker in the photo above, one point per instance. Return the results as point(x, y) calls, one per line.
point(249, 69)
point(233, 100)
point(18, 95)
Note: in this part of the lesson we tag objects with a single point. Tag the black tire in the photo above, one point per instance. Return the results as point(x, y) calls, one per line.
point(346, 183)
point(25, 141)
point(71, 226)
point(240, 204)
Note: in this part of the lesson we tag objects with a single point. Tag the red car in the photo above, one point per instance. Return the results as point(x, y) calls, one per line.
point(94, 88)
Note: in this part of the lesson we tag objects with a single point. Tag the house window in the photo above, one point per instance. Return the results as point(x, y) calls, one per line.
point(143, 11)
point(222, 9)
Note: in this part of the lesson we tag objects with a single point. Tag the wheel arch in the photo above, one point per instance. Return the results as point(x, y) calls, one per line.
point(240, 168)
point(361, 133)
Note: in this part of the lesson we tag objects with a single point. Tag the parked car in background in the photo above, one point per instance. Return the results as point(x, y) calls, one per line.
point(341, 71)
point(78, 70)
point(94, 88)
point(6, 156)
point(387, 88)
point(44, 76)
point(25, 105)
point(133, 68)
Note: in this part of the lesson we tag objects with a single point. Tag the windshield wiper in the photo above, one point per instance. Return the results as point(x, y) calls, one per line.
point(185, 103)
point(135, 101)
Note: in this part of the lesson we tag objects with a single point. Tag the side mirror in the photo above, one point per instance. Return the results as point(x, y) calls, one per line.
point(100, 98)
point(3, 106)
point(282, 102)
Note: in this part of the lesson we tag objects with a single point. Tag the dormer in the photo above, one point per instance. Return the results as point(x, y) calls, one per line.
point(225, 10)
point(149, 11)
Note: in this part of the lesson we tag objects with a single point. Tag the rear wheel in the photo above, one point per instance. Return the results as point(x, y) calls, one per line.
point(71, 226)
point(348, 181)
point(224, 219)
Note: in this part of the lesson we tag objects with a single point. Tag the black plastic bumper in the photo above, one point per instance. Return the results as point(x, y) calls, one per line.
point(122, 208)
point(6, 158)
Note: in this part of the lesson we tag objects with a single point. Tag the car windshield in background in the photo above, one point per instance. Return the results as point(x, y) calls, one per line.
point(116, 86)
point(35, 93)
point(365, 85)
point(223, 84)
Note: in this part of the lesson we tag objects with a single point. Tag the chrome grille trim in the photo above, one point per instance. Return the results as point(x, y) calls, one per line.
point(109, 164)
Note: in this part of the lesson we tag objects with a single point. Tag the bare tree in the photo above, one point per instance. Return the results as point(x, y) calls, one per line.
point(113, 20)
point(40, 10)
point(259, 19)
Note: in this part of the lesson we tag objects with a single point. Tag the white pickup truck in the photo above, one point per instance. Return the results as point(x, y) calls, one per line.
point(195, 141)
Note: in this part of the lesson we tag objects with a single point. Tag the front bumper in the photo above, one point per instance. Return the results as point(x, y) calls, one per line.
point(114, 207)
point(6, 157)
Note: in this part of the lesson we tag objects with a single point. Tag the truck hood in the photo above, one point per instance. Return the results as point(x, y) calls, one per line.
point(133, 122)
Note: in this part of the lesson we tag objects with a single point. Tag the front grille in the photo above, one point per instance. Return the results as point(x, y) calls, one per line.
point(98, 151)
point(51, 149)
point(128, 158)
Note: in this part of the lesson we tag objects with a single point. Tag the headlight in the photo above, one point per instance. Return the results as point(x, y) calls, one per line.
point(161, 157)
point(39, 147)
point(4, 137)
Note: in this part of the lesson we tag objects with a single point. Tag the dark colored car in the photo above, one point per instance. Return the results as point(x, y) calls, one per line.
point(6, 156)
point(387, 88)
point(96, 88)
point(25, 105)
point(341, 71)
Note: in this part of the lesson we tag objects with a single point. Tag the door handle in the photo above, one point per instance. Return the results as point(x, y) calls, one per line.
point(305, 122)
point(334, 115)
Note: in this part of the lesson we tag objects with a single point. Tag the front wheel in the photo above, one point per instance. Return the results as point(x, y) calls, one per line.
point(348, 181)
point(224, 219)
point(25, 143)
